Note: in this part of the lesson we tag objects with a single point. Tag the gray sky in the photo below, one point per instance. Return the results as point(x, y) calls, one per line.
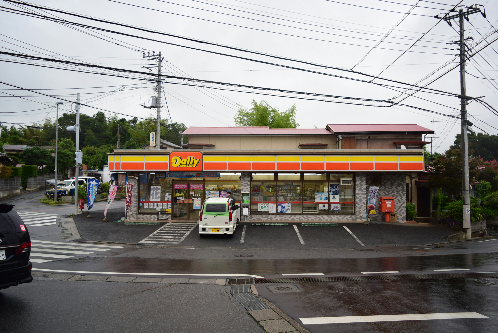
point(342, 34)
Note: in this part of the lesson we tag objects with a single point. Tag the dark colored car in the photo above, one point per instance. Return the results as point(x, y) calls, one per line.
point(15, 248)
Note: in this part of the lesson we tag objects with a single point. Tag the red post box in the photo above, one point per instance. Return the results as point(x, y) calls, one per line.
point(387, 206)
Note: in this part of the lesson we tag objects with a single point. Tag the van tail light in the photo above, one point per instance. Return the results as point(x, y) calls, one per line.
point(230, 216)
point(25, 247)
point(200, 216)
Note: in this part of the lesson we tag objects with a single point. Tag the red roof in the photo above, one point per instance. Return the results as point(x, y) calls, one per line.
point(253, 130)
point(376, 128)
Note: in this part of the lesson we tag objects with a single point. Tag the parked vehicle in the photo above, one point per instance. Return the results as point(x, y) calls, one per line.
point(218, 216)
point(15, 248)
point(69, 184)
point(50, 189)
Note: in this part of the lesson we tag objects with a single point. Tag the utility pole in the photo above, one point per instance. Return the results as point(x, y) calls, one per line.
point(118, 138)
point(463, 113)
point(157, 104)
point(78, 155)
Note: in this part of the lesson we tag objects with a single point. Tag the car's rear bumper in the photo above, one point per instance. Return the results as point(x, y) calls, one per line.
point(14, 276)
point(223, 229)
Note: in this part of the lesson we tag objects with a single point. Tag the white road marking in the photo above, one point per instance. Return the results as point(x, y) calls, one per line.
point(58, 251)
point(37, 219)
point(354, 236)
point(49, 255)
point(41, 246)
point(144, 274)
point(170, 234)
point(77, 244)
point(38, 261)
point(305, 274)
point(451, 269)
point(299, 235)
point(382, 272)
point(381, 318)
point(243, 235)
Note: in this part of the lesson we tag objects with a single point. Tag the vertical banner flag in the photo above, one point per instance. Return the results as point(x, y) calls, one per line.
point(129, 188)
point(372, 195)
point(93, 185)
point(112, 194)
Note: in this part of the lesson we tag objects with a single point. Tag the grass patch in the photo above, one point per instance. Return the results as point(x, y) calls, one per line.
point(51, 202)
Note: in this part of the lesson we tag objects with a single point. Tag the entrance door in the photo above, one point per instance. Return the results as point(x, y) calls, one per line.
point(187, 200)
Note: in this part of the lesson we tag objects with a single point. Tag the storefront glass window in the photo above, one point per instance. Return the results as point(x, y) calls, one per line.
point(289, 197)
point(262, 176)
point(263, 197)
point(342, 197)
point(289, 176)
point(155, 194)
point(315, 197)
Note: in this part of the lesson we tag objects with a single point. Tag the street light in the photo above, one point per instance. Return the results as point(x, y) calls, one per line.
point(56, 144)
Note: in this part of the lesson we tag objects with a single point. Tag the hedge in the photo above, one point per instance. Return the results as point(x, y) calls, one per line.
point(27, 171)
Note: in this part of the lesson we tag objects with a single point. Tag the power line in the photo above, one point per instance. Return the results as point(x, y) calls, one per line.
point(232, 48)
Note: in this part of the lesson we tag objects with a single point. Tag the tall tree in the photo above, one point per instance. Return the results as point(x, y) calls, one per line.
point(483, 145)
point(36, 156)
point(263, 114)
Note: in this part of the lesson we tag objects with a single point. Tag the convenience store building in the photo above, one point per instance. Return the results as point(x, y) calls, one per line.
point(302, 175)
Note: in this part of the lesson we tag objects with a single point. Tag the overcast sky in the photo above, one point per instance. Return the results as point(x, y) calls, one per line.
point(357, 52)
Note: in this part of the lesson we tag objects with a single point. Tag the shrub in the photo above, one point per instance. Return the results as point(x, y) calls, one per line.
point(491, 202)
point(16, 172)
point(411, 212)
point(454, 210)
point(105, 187)
point(5, 172)
point(82, 192)
point(27, 171)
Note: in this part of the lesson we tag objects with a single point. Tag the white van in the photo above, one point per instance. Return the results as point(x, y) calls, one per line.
point(217, 217)
point(69, 183)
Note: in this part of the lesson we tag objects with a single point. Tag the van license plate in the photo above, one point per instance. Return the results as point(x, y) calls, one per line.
point(215, 230)
point(2, 255)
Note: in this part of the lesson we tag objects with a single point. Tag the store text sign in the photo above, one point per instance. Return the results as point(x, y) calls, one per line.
point(186, 161)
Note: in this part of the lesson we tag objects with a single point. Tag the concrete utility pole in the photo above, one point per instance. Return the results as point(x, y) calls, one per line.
point(56, 194)
point(463, 113)
point(157, 104)
point(77, 165)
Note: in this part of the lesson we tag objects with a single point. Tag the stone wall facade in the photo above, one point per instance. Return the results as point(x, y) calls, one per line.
point(38, 182)
point(10, 187)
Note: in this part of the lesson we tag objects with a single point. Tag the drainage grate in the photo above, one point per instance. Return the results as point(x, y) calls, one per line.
point(242, 293)
point(241, 281)
point(377, 278)
point(283, 289)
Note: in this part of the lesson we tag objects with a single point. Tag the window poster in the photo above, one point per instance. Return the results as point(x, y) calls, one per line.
point(334, 192)
point(197, 203)
point(212, 194)
point(322, 206)
point(263, 207)
point(223, 194)
point(167, 196)
point(146, 205)
point(321, 197)
point(335, 206)
point(272, 208)
point(155, 193)
point(284, 208)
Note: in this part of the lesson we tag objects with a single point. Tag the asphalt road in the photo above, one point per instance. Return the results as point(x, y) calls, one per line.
point(316, 279)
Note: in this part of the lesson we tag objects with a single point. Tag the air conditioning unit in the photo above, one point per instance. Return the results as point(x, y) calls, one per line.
point(346, 181)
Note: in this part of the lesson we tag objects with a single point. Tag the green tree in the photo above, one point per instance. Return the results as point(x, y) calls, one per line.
point(263, 114)
point(481, 145)
point(96, 157)
point(36, 156)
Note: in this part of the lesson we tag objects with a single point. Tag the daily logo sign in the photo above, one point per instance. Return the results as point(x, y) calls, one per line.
point(186, 161)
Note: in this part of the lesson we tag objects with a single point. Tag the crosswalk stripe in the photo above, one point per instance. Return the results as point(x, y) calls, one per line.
point(78, 244)
point(37, 219)
point(170, 234)
point(47, 251)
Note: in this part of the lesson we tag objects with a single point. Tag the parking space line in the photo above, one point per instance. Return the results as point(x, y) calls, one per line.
point(304, 274)
point(451, 269)
point(299, 235)
point(386, 318)
point(243, 235)
point(354, 236)
point(383, 272)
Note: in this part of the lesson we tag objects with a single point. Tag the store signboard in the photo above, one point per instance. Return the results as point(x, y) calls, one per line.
point(180, 186)
point(196, 186)
point(186, 161)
